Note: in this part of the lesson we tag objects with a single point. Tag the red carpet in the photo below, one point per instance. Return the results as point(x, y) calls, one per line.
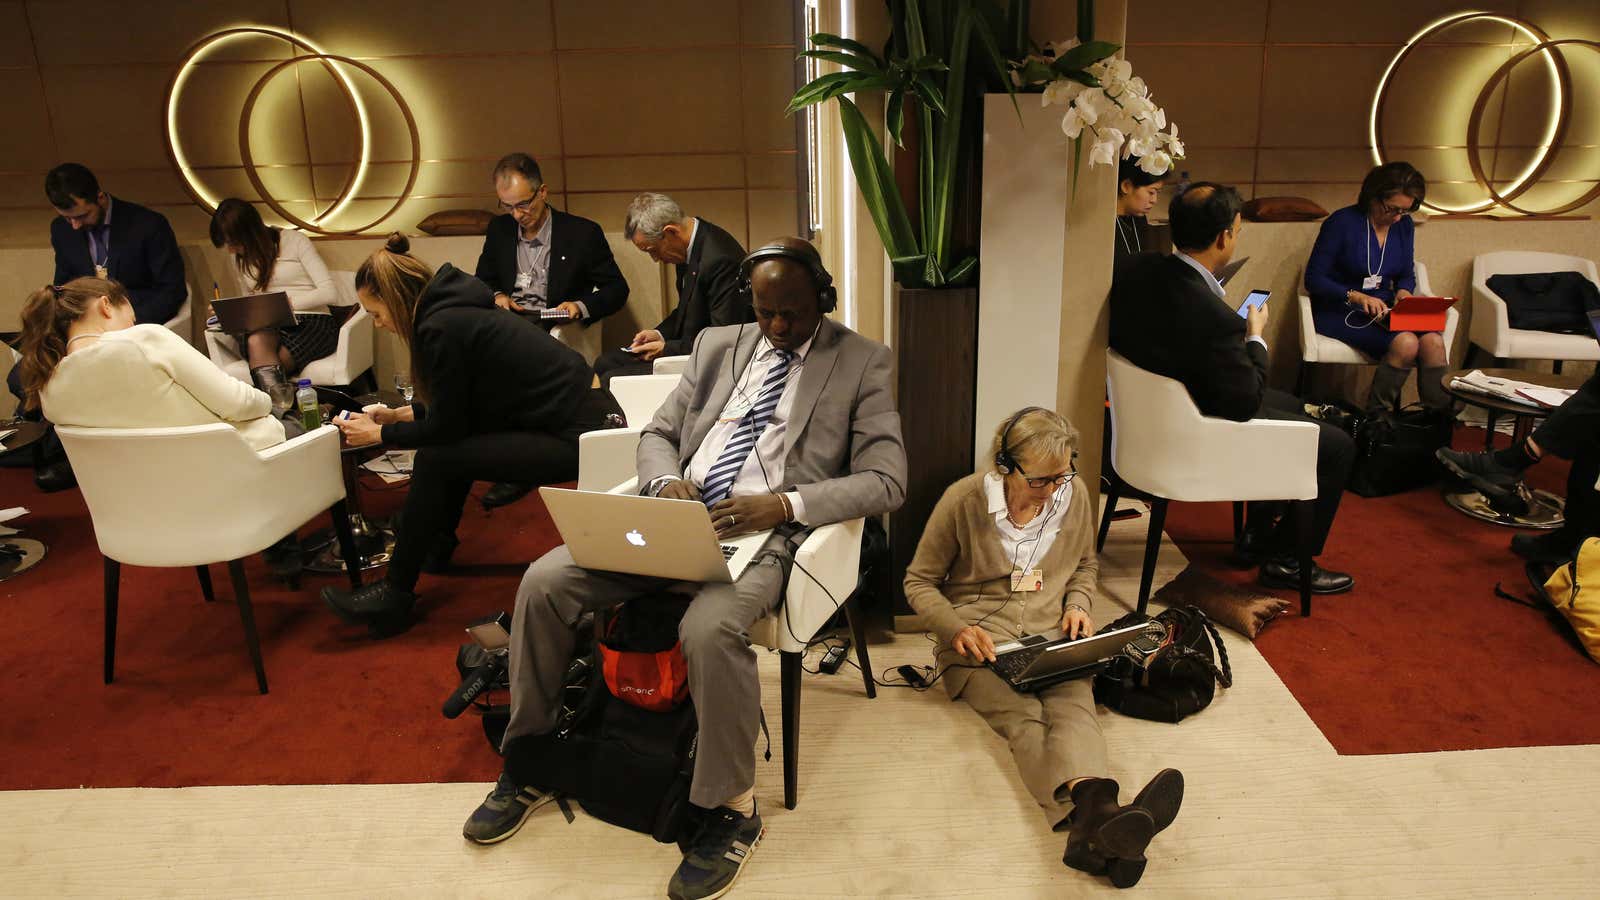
point(184, 708)
point(1422, 655)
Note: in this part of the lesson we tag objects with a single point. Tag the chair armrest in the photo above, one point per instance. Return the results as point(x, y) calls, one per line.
point(221, 348)
point(1490, 327)
point(669, 365)
point(1218, 459)
point(606, 457)
point(828, 563)
point(1452, 323)
point(631, 486)
point(308, 464)
point(1308, 330)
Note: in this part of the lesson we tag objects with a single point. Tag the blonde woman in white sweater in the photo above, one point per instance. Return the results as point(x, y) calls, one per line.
point(275, 259)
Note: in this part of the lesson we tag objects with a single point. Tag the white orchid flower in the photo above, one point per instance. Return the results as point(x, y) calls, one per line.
point(1103, 153)
point(1156, 163)
point(1072, 123)
point(1060, 92)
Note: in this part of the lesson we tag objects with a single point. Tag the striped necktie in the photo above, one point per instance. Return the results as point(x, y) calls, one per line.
point(719, 480)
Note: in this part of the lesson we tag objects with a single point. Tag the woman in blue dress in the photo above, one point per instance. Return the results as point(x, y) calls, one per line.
point(1362, 263)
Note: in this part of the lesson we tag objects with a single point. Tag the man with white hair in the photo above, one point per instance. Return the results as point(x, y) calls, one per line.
point(707, 259)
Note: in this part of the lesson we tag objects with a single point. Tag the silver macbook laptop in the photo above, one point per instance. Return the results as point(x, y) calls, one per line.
point(1040, 660)
point(647, 536)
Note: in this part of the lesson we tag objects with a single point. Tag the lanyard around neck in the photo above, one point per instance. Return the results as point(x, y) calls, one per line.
point(1137, 245)
point(1383, 250)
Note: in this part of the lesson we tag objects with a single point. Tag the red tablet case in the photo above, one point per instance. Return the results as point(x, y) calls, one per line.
point(1420, 313)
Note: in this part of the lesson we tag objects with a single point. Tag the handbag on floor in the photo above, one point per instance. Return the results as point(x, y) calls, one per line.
point(1164, 677)
point(1395, 450)
point(1573, 590)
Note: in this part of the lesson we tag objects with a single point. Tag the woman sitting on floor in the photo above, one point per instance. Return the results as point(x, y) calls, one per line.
point(1026, 517)
point(270, 260)
point(502, 401)
point(86, 363)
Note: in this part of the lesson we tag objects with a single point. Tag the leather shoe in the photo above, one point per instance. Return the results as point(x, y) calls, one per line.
point(382, 607)
point(504, 493)
point(1500, 485)
point(56, 476)
point(1285, 573)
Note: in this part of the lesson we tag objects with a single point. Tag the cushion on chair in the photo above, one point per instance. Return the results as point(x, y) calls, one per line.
point(448, 222)
point(1282, 209)
point(1246, 612)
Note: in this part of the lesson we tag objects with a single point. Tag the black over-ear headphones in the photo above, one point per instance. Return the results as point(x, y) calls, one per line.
point(1004, 462)
point(827, 297)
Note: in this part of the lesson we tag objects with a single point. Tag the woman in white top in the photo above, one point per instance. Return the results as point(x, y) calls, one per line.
point(270, 260)
point(86, 363)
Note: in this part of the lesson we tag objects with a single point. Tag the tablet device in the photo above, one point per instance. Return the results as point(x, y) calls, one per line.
point(1416, 313)
point(1253, 300)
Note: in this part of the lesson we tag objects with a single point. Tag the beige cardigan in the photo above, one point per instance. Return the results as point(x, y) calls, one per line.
point(960, 574)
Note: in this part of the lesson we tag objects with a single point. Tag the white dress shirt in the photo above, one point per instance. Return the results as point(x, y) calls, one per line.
point(1026, 545)
point(762, 472)
point(1215, 288)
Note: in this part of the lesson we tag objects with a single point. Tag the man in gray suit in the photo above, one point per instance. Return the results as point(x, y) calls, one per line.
point(788, 425)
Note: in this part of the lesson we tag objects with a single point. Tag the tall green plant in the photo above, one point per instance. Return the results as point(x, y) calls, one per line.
point(941, 56)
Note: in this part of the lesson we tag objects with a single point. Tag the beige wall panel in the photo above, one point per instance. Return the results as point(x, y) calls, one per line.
point(364, 28)
point(1321, 164)
point(606, 108)
point(149, 33)
point(655, 173)
point(25, 140)
point(1054, 21)
point(332, 120)
point(592, 24)
point(23, 190)
point(1175, 20)
point(1218, 110)
point(433, 178)
point(1376, 21)
point(1319, 96)
point(771, 170)
point(191, 224)
point(768, 77)
point(104, 120)
point(231, 181)
point(1563, 18)
point(1226, 166)
point(211, 105)
point(726, 208)
point(479, 108)
point(766, 21)
point(16, 39)
point(24, 228)
point(144, 186)
point(772, 215)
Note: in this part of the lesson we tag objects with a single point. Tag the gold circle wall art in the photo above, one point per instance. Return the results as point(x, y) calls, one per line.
point(1536, 57)
point(358, 84)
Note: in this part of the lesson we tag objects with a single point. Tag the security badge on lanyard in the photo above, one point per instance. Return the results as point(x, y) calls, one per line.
point(1027, 582)
point(100, 271)
point(1372, 282)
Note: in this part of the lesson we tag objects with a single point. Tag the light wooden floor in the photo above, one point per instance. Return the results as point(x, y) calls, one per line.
point(905, 795)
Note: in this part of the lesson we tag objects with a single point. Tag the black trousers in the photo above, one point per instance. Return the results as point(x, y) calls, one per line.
point(1573, 432)
point(1336, 453)
point(441, 476)
point(612, 363)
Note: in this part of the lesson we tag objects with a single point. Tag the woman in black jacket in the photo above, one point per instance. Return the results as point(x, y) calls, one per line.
point(500, 400)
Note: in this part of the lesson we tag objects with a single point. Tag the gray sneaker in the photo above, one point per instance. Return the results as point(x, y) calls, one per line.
point(716, 855)
point(502, 812)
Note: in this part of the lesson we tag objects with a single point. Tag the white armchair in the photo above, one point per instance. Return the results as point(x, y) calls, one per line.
point(1163, 446)
point(179, 324)
point(1318, 348)
point(126, 476)
point(1490, 327)
point(606, 457)
point(825, 575)
point(352, 358)
point(670, 365)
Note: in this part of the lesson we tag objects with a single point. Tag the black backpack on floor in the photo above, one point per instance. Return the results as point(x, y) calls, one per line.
point(623, 764)
point(1167, 673)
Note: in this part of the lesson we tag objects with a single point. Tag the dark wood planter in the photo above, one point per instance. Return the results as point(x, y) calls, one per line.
point(936, 342)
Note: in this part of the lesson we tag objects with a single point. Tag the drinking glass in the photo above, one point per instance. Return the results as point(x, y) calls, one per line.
point(282, 394)
point(402, 383)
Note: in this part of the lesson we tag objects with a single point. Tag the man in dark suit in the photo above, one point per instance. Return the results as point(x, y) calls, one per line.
point(1168, 316)
point(535, 258)
point(707, 259)
point(788, 425)
point(98, 234)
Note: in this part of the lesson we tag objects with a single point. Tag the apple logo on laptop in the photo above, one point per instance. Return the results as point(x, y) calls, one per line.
point(635, 538)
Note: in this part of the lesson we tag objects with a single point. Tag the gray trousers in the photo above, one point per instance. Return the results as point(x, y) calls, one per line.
point(555, 592)
point(1054, 734)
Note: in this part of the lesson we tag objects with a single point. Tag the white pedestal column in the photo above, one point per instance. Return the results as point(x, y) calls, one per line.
point(1027, 189)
